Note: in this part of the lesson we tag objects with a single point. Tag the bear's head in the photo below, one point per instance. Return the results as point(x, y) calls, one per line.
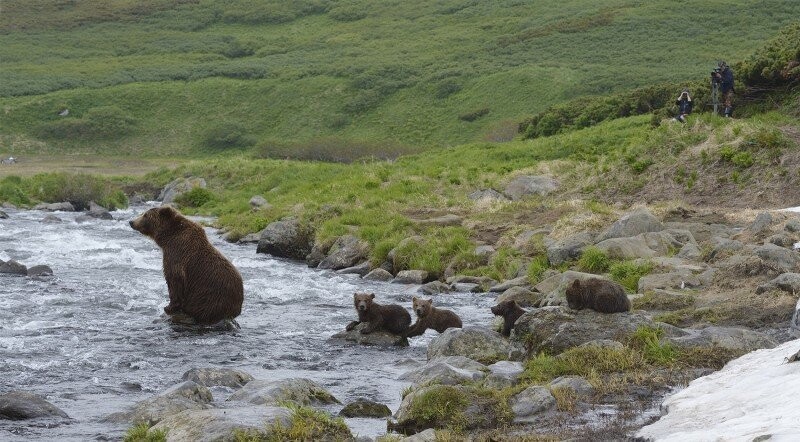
point(363, 301)
point(421, 306)
point(156, 220)
point(574, 295)
point(504, 308)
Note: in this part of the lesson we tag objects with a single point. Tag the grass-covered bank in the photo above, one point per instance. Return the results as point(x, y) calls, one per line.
point(161, 76)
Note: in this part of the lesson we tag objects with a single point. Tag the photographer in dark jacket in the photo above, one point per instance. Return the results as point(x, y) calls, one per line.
point(724, 76)
point(684, 103)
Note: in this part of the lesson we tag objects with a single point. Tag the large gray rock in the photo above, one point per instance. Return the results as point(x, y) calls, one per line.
point(527, 185)
point(211, 377)
point(555, 329)
point(378, 274)
point(739, 339)
point(626, 248)
point(788, 282)
point(505, 285)
point(346, 251)
point(358, 269)
point(410, 277)
point(21, 405)
point(723, 247)
point(297, 390)
point(259, 202)
point(434, 288)
point(13, 268)
point(664, 242)
point(792, 225)
point(178, 187)
point(781, 259)
point(55, 207)
point(487, 195)
point(221, 424)
point(477, 343)
point(365, 408)
point(568, 248)
point(579, 385)
point(503, 374)
point(690, 251)
point(181, 397)
point(39, 270)
point(377, 338)
point(447, 370)
point(3, 215)
point(673, 280)
point(523, 296)
point(287, 238)
point(760, 226)
point(632, 224)
point(428, 435)
point(530, 403)
point(98, 211)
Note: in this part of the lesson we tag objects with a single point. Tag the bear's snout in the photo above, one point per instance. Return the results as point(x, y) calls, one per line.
point(495, 310)
point(362, 307)
point(132, 224)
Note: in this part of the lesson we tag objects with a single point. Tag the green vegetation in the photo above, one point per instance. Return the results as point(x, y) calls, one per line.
point(648, 341)
point(307, 424)
point(78, 189)
point(593, 260)
point(628, 273)
point(176, 76)
point(143, 433)
point(440, 406)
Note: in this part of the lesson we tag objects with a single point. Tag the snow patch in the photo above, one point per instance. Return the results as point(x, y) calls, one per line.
point(754, 395)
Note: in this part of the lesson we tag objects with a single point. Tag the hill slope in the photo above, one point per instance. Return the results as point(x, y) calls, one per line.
point(157, 75)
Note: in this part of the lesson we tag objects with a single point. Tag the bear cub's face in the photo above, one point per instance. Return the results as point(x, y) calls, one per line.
point(503, 308)
point(421, 306)
point(153, 220)
point(363, 301)
point(573, 294)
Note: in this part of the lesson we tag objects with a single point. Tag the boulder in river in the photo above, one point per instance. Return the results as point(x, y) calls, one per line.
point(211, 377)
point(22, 405)
point(379, 338)
point(185, 396)
point(365, 408)
point(287, 238)
point(40, 270)
point(478, 343)
point(297, 390)
point(222, 424)
point(13, 268)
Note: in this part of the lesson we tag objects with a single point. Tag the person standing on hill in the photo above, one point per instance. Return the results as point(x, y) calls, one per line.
point(724, 75)
point(684, 103)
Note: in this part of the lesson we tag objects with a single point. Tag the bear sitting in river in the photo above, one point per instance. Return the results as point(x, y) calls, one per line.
point(392, 318)
point(202, 283)
point(429, 316)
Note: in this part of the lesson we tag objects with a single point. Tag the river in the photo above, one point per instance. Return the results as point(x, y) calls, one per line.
point(90, 338)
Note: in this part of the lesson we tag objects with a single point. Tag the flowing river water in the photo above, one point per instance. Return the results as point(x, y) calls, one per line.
point(89, 339)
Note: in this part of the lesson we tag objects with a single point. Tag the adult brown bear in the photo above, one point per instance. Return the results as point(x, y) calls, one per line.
point(599, 295)
point(202, 283)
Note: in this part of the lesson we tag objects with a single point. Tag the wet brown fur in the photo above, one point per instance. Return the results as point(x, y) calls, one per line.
point(202, 283)
point(599, 295)
point(392, 317)
point(429, 316)
point(510, 311)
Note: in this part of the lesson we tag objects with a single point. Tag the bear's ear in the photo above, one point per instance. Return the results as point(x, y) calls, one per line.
point(576, 283)
point(413, 299)
point(167, 211)
point(372, 296)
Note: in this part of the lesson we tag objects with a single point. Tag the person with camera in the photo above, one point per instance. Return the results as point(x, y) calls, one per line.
point(723, 75)
point(684, 103)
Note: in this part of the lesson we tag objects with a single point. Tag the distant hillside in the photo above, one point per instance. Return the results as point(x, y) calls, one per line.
point(167, 77)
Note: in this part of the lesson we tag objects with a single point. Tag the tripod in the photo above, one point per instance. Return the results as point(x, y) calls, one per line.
point(715, 94)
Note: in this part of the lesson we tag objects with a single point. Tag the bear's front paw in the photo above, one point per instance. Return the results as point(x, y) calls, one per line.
point(366, 331)
point(171, 309)
point(351, 325)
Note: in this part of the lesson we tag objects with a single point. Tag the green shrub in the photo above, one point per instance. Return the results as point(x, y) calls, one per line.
point(307, 424)
point(474, 115)
point(446, 88)
point(98, 123)
point(333, 149)
point(582, 361)
point(777, 63)
point(536, 268)
point(143, 433)
point(628, 273)
point(593, 260)
point(196, 197)
point(226, 135)
point(348, 11)
point(78, 189)
point(442, 406)
point(648, 341)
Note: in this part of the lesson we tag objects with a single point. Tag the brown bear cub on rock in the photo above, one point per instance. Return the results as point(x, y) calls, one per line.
point(202, 283)
point(599, 295)
point(392, 318)
point(510, 311)
point(429, 316)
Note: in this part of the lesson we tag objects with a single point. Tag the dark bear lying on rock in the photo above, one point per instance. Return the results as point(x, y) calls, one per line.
point(392, 318)
point(510, 311)
point(202, 283)
point(599, 295)
point(429, 316)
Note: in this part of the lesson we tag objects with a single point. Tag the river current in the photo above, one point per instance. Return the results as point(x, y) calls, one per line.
point(90, 338)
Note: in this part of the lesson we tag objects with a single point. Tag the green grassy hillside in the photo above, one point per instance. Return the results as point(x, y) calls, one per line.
point(167, 77)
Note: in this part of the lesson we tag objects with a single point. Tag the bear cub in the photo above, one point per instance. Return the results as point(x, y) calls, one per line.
point(510, 311)
point(392, 318)
point(201, 282)
point(599, 295)
point(429, 316)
